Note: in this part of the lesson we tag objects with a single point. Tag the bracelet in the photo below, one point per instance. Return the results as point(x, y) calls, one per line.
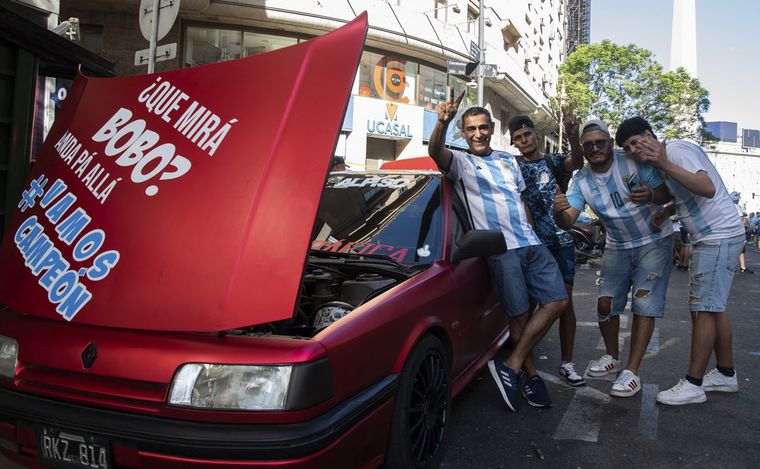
point(651, 195)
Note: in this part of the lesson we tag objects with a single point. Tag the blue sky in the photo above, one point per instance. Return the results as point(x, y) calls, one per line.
point(728, 47)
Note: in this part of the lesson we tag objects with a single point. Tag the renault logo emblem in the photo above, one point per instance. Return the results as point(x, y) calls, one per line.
point(89, 354)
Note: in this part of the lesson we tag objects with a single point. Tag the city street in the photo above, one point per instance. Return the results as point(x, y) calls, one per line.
point(587, 428)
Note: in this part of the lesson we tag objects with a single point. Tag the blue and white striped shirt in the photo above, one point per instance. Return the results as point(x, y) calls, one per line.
point(490, 187)
point(627, 224)
point(703, 218)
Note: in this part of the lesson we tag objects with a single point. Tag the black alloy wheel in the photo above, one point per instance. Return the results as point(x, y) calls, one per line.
point(421, 411)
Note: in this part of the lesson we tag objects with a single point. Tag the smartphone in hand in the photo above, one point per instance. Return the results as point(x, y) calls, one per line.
point(633, 181)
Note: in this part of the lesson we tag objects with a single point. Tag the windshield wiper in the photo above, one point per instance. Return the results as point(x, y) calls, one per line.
point(353, 256)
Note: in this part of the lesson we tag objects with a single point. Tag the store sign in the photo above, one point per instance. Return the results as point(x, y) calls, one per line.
point(390, 125)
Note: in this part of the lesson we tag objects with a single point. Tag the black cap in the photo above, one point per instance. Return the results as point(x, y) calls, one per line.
point(338, 160)
point(520, 122)
point(630, 127)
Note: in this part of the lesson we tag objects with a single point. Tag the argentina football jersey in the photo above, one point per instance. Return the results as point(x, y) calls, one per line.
point(608, 195)
point(490, 187)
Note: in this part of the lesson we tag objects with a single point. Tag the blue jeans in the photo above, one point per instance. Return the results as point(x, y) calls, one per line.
point(712, 265)
point(524, 273)
point(565, 257)
point(642, 269)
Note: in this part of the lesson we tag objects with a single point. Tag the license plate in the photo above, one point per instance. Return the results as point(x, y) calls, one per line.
point(66, 449)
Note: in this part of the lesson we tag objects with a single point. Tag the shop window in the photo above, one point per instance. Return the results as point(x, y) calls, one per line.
point(387, 77)
point(433, 87)
point(256, 43)
point(208, 46)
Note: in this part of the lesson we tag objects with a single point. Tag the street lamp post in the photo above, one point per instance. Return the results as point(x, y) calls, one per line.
point(482, 58)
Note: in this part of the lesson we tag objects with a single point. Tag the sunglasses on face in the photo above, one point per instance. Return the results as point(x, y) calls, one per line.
point(600, 144)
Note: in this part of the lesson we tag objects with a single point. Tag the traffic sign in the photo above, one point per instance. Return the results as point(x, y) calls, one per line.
point(455, 67)
point(490, 70)
point(168, 11)
point(165, 52)
point(474, 50)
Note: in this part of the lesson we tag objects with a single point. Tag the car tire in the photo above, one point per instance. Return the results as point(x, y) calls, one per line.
point(422, 408)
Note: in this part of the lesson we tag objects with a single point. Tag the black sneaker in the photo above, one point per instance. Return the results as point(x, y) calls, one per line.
point(535, 392)
point(747, 271)
point(507, 382)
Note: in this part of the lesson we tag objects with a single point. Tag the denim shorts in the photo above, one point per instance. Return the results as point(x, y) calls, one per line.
point(565, 257)
point(645, 268)
point(712, 265)
point(524, 273)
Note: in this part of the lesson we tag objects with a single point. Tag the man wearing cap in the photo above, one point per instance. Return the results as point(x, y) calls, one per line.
point(541, 174)
point(338, 164)
point(637, 257)
point(489, 183)
point(705, 209)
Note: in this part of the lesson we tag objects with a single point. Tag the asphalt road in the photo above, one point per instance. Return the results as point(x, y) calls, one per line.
point(587, 428)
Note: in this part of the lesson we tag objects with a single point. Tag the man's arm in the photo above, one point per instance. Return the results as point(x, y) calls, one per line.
point(436, 147)
point(698, 183)
point(564, 214)
point(572, 126)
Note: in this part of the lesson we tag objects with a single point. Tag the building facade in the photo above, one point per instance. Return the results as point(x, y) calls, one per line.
point(578, 26)
point(403, 71)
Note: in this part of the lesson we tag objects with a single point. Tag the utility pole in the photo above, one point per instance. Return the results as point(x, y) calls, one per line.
point(154, 37)
point(482, 58)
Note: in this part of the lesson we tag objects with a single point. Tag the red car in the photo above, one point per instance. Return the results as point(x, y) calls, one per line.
point(390, 314)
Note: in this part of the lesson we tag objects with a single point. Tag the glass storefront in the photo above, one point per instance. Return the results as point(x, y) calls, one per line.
point(385, 76)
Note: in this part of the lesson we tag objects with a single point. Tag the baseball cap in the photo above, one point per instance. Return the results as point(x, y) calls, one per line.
point(520, 122)
point(593, 124)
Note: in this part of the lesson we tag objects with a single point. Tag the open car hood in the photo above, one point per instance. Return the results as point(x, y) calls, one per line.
point(182, 200)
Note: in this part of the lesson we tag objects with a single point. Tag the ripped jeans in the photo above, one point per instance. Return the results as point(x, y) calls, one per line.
point(712, 267)
point(644, 270)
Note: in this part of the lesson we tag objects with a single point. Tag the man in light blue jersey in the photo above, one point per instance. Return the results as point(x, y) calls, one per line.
point(706, 210)
point(637, 257)
point(490, 183)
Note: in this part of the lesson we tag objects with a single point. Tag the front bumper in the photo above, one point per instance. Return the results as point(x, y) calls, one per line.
point(178, 439)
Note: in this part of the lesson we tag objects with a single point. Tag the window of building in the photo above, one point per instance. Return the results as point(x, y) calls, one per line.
point(472, 20)
point(211, 45)
point(379, 151)
point(91, 37)
point(388, 77)
point(440, 11)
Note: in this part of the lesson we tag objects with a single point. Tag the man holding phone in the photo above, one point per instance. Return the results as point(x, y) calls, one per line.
point(637, 257)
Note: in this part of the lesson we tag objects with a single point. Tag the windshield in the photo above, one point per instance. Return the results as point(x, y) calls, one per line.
point(396, 215)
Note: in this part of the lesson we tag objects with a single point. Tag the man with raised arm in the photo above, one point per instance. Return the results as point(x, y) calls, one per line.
point(637, 257)
point(706, 210)
point(489, 182)
point(541, 174)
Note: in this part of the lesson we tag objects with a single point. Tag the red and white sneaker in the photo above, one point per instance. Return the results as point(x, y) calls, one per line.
point(603, 366)
point(626, 385)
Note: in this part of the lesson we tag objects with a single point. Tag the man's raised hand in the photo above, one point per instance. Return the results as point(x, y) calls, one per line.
point(447, 110)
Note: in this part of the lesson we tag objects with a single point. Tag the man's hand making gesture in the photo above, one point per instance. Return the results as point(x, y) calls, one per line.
point(436, 148)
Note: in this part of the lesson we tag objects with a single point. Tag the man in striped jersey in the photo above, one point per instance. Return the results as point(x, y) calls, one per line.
point(637, 257)
point(706, 210)
point(490, 183)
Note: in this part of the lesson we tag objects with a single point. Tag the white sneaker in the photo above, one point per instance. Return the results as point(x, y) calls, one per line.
point(626, 385)
point(717, 381)
point(571, 377)
point(603, 366)
point(682, 393)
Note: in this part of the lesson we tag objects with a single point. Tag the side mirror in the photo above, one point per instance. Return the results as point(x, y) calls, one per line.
point(479, 243)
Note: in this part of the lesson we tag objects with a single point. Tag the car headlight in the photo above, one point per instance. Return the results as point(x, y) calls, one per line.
point(244, 387)
point(8, 356)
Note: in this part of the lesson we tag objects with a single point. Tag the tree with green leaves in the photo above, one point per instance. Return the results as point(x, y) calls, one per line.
point(614, 82)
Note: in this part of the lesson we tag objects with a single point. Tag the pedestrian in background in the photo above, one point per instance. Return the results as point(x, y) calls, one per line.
point(541, 174)
point(637, 258)
point(705, 208)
